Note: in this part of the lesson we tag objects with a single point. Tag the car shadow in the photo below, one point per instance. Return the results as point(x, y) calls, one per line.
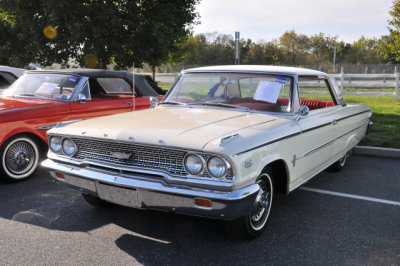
point(305, 228)
point(154, 237)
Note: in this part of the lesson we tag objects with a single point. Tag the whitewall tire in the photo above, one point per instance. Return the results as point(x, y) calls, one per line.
point(19, 158)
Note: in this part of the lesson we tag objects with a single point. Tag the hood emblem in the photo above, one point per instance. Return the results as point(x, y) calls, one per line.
point(121, 155)
point(161, 142)
point(226, 140)
point(131, 138)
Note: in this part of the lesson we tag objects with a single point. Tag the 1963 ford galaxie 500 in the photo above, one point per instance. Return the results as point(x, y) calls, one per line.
point(39, 99)
point(222, 142)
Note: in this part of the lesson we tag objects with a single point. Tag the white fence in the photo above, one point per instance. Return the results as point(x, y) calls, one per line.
point(357, 81)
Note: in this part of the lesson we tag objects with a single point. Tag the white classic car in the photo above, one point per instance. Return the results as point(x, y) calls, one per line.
point(222, 142)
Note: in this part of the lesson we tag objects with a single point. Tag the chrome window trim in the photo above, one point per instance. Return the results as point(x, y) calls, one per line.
point(79, 87)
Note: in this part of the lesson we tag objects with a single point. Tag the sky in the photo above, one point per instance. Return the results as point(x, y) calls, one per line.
point(269, 19)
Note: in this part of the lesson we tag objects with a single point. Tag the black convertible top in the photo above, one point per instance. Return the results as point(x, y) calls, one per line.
point(144, 88)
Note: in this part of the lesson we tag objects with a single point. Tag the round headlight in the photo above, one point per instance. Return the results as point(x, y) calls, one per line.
point(217, 167)
point(194, 164)
point(55, 144)
point(69, 147)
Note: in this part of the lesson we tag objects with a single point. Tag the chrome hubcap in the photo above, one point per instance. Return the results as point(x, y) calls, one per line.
point(19, 157)
point(261, 207)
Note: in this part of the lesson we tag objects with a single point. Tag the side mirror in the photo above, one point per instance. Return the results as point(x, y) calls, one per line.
point(153, 102)
point(303, 111)
point(81, 98)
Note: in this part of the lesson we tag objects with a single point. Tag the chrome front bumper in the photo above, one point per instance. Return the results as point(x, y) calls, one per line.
point(137, 192)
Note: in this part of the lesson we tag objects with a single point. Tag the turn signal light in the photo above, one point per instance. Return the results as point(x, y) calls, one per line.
point(203, 202)
point(59, 175)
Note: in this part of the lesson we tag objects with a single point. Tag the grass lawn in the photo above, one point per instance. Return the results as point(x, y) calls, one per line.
point(385, 116)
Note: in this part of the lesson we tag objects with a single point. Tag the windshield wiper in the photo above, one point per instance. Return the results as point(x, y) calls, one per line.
point(226, 105)
point(174, 103)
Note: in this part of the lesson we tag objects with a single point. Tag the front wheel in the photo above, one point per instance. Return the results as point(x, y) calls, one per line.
point(19, 158)
point(253, 224)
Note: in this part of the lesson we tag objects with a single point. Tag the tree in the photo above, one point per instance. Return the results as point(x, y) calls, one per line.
point(321, 48)
point(390, 45)
point(95, 33)
point(365, 51)
point(294, 46)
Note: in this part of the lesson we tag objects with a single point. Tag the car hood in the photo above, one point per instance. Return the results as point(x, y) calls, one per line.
point(21, 102)
point(190, 128)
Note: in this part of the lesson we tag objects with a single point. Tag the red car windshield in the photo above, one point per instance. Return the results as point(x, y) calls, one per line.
point(44, 85)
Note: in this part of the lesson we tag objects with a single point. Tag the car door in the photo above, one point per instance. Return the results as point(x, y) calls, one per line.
point(317, 138)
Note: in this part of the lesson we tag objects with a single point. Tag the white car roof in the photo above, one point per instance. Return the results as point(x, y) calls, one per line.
point(258, 68)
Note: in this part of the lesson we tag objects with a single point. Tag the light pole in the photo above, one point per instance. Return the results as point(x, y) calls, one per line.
point(334, 59)
point(237, 51)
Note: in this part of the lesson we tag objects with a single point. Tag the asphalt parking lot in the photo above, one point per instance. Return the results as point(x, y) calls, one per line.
point(346, 218)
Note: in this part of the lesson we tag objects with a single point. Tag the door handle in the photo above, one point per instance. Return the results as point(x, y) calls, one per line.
point(334, 122)
point(128, 103)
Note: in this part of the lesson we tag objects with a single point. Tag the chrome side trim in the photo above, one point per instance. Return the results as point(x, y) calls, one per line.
point(300, 132)
point(316, 149)
point(330, 123)
point(366, 111)
point(47, 127)
point(267, 143)
point(66, 123)
point(324, 145)
point(351, 130)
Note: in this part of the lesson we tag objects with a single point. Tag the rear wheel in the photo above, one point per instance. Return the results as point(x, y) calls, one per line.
point(96, 201)
point(253, 224)
point(338, 165)
point(19, 158)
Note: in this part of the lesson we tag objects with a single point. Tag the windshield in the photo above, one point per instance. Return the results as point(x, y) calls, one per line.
point(44, 85)
point(269, 93)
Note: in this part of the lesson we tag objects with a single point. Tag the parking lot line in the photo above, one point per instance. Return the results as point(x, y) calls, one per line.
point(350, 196)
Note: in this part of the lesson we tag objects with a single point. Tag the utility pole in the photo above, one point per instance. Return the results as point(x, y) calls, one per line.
point(334, 59)
point(237, 51)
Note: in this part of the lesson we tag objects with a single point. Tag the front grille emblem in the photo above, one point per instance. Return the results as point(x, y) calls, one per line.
point(122, 155)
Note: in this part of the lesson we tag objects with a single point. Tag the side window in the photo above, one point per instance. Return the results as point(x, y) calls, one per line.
point(315, 93)
point(115, 85)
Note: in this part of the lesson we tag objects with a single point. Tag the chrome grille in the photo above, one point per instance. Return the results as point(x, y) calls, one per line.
point(135, 155)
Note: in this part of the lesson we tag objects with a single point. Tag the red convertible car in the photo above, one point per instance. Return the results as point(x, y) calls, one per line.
point(39, 100)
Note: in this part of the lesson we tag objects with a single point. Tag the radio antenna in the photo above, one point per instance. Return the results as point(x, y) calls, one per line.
point(133, 87)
